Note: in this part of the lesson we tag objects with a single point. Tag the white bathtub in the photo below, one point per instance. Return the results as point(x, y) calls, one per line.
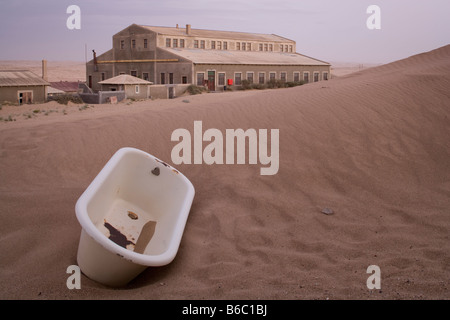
point(134, 189)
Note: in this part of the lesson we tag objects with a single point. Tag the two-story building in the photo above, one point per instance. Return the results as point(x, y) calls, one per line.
point(174, 55)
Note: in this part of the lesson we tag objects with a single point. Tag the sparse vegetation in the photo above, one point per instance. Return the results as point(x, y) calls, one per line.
point(66, 98)
point(83, 107)
point(193, 89)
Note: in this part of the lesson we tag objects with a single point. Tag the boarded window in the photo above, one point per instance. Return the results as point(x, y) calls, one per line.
point(237, 78)
point(200, 79)
point(316, 76)
point(250, 77)
point(262, 77)
point(221, 79)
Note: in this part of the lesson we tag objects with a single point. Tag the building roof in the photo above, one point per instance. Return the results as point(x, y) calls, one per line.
point(217, 34)
point(66, 86)
point(15, 78)
point(124, 79)
point(201, 56)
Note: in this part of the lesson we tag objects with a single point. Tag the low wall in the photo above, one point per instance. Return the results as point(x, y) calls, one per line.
point(167, 91)
point(102, 96)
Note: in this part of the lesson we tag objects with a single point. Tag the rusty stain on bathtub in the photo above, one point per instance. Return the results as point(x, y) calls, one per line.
point(117, 237)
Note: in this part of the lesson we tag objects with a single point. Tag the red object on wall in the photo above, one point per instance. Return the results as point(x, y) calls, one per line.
point(230, 82)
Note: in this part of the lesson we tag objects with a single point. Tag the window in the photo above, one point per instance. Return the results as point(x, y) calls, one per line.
point(249, 46)
point(290, 48)
point(202, 44)
point(281, 48)
point(237, 78)
point(244, 46)
point(316, 76)
point(200, 78)
point(283, 76)
point(250, 77)
point(238, 46)
point(325, 76)
point(219, 45)
point(122, 44)
point(195, 43)
point(296, 76)
point(133, 44)
point(184, 79)
point(213, 44)
point(103, 76)
point(145, 76)
point(170, 78)
point(145, 44)
point(163, 78)
point(181, 43)
point(270, 47)
point(175, 43)
point(136, 89)
point(168, 41)
point(225, 45)
point(266, 47)
point(221, 76)
point(133, 73)
point(260, 47)
point(306, 77)
point(272, 76)
point(262, 76)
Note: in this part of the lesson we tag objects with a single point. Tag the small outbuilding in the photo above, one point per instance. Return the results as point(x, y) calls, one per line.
point(22, 87)
point(134, 88)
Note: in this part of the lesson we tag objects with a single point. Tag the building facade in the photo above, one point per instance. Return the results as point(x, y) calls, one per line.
point(22, 87)
point(173, 55)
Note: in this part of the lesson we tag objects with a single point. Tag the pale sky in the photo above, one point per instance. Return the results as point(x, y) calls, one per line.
point(330, 30)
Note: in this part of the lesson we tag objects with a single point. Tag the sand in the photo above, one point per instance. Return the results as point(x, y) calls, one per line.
point(373, 146)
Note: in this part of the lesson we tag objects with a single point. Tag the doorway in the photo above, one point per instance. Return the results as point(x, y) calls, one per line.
point(211, 80)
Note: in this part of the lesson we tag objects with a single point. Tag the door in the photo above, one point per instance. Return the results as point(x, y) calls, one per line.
point(211, 80)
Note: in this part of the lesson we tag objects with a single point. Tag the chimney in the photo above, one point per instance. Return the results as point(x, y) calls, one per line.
point(188, 29)
point(177, 25)
point(44, 70)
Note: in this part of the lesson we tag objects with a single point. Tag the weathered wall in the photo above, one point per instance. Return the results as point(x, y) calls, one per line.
point(11, 94)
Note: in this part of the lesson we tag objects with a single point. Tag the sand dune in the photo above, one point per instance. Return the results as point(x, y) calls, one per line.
point(373, 146)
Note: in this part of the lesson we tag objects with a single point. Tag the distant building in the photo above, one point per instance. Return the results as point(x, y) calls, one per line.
point(134, 88)
point(173, 55)
point(22, 87)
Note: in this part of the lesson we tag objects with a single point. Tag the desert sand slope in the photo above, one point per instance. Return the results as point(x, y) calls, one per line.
point(373, 146)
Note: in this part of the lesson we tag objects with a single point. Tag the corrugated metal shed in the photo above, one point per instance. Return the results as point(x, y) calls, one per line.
point(15, 78)
point(201, 56)
point(217, 34)
point(124, 79)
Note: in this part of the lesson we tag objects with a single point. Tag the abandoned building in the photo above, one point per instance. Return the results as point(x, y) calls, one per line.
point(173, 55)
point(22, 87)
